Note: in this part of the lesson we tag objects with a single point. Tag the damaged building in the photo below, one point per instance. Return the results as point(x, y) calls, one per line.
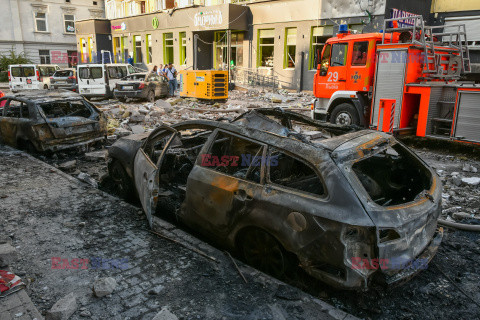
point(270, 43)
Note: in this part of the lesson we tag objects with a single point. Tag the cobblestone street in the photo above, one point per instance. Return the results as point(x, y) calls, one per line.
point(48, 214)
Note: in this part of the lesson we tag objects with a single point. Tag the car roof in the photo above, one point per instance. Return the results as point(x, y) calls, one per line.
point(42, 96)
point(279, 133)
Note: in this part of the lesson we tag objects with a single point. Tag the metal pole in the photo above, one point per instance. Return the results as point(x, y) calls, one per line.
point(229, 53)
point(300, 83)
point(195, 49)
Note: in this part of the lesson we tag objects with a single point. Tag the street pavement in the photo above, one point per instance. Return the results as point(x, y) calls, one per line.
point(53, 218)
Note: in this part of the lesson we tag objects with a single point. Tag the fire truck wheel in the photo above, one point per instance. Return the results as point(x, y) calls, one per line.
point(344, 114)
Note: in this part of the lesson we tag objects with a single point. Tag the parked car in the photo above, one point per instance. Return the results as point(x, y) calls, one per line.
point(30, 76)
point(143, 86)
point(50, 121)
point(64, 79)
point(99, 80)
point(321, 199)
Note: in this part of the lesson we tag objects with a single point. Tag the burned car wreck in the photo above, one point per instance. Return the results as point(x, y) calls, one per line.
point(284, 190)
point(42, 120)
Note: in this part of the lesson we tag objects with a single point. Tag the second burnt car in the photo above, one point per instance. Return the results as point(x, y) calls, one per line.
point(50, 120)
point(332, 199)
point(64, 79)
point(147, 86)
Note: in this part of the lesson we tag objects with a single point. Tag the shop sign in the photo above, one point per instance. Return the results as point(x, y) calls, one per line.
point(122, 26)
point(208, 18)
point(396, 13)
point(155, 23)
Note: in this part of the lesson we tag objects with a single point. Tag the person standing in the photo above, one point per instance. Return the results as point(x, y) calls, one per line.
point(130, 60)
point(155, 70)
point(171, 75)
point(160, 70)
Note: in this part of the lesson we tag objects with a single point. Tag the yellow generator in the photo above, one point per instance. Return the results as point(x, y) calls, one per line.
point(204, 84)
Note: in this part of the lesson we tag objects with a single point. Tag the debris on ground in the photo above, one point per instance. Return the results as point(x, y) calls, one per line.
point(104, 286)
point(63, 308)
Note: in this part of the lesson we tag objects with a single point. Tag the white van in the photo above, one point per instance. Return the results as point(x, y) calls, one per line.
point(30, 76)
point(99, 80)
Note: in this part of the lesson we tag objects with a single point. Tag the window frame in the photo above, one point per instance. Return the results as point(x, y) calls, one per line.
point(286, 49)
point(148, 45)
point(209, 145)
point(65, 21)
point(135, 47)
point(353, 50)
point(305, 162)
point(312, 64)
point(182, 40)
point(35, 18)
point(168, 36)
point(345, 58)
point(44, 56)
point(260, 48)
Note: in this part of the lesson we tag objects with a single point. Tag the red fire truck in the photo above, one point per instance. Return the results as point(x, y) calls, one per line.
point(403, 79)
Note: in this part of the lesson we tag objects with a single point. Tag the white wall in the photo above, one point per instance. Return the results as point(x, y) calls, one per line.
point(18, 25)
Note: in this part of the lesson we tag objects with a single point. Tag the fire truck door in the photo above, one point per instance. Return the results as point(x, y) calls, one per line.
point(333, 75)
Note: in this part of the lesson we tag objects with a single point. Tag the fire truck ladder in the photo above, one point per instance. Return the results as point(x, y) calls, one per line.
point(436, 64)
point(456, 39)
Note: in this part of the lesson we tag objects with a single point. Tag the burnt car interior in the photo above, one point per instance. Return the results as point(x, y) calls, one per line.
point(293, 173)
point(176, 165)
point(59, 109)
point(16, 109)
point(392, 176)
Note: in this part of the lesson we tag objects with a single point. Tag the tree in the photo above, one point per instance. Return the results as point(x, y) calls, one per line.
point(9, 58)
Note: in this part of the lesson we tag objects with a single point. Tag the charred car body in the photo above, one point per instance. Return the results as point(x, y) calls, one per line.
point(141, 86)
point(64, 79)
point(50, 121)
point(320, 199)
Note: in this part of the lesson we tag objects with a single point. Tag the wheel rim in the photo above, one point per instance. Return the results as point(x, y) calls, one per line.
point(263, 252)
point(343, 118)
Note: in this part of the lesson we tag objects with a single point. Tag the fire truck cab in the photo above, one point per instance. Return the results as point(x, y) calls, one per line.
point(345, 77)
point(403, 80)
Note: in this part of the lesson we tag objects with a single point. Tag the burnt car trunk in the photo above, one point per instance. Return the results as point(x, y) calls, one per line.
point(401, 195)
point(130, 85)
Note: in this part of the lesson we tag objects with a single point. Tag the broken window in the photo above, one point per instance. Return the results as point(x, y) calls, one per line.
point(392, 176)
point(14, 109)
point(60, 109)
point(293, 173)
point(235, 156)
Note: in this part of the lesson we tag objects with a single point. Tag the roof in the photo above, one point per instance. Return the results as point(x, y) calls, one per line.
point(360, 36)
point(45, 95)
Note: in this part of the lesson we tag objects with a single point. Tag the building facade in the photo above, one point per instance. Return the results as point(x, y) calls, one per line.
point(467, 12)
point(44, 30)
point(278, 39)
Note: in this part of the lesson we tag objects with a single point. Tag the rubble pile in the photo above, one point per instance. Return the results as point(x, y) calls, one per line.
point(138, 117)
point(461, 186)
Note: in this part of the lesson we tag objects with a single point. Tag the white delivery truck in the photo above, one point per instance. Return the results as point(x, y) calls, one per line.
point(30, 76)
point(99, 80)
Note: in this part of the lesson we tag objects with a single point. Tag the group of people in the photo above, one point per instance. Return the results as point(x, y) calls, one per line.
point(170, 73)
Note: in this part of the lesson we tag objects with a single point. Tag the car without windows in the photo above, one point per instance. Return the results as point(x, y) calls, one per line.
point(141, 86)
point(42, 120)
point(319, 199)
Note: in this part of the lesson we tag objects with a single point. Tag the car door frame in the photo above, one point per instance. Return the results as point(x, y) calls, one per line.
point(246, 191)
point(146, 177)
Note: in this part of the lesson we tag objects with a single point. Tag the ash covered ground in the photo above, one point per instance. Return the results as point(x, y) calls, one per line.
point(449, 288)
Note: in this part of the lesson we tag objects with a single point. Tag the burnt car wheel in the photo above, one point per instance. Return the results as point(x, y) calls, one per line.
point(151, 96)
point(264, 252)
point(123, 185)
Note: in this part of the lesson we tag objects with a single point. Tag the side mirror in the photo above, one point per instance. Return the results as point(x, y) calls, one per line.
point(323, 72)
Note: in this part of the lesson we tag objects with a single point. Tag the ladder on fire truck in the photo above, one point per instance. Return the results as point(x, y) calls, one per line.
point(441, 65)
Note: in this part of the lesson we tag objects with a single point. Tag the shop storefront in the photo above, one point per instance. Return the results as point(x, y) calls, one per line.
point(277, 40)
